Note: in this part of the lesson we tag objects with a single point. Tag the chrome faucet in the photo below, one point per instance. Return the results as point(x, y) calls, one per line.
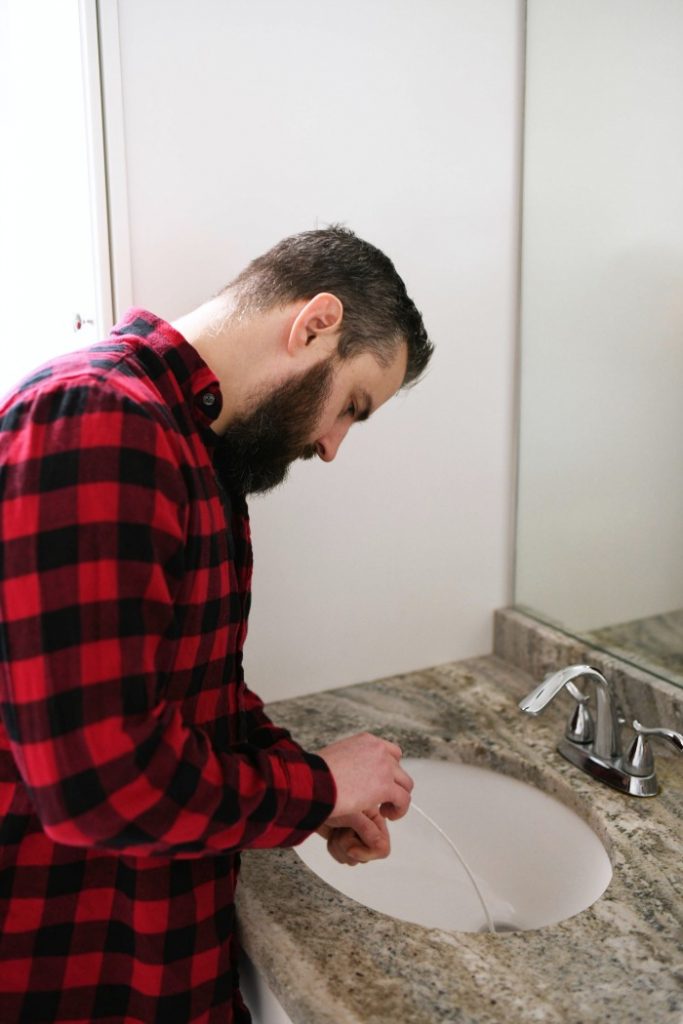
point(596, 747)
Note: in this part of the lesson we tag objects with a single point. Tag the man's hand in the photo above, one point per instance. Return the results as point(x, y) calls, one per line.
point(368, 776)
point(362, 837)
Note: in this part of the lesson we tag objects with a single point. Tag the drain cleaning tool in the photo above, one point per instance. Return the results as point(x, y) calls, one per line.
point(456, 851)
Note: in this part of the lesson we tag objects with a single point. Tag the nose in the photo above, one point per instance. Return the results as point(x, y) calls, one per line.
point(328, 445)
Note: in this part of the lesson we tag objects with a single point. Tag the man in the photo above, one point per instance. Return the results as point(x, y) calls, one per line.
point(135, 763)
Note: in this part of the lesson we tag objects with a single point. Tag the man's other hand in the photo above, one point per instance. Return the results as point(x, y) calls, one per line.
point(359, 839)
point(368, 776)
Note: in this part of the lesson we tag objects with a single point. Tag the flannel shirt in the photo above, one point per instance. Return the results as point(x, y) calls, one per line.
point(135, 763)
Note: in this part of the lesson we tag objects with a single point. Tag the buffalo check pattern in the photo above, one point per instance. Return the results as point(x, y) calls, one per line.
point(135, 763)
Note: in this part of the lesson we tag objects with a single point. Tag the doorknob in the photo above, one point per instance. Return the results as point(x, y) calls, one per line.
point(78, 322)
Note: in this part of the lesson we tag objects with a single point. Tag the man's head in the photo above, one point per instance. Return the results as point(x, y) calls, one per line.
point(331, 317)
point(378, 314)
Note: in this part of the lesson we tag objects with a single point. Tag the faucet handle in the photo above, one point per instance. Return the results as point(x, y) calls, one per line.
point(577, 694)
point(639, 760)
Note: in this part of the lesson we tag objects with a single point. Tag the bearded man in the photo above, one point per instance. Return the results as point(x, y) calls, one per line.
point(135, 763)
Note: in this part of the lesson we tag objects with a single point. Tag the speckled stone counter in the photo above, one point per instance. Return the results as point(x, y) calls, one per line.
point(330, 960)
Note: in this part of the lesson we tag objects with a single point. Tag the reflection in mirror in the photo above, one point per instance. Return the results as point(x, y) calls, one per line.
point(600, 498)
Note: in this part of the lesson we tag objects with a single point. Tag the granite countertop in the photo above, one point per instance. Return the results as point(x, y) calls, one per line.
point(330, 960)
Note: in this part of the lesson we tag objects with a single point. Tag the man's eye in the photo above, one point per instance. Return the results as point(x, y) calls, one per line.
point(351, 411)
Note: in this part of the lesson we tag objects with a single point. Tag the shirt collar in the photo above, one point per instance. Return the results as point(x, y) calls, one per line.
point(197, 380)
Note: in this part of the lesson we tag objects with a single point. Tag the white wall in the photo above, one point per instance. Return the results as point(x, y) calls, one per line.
point(247, 120)
point(601, 493)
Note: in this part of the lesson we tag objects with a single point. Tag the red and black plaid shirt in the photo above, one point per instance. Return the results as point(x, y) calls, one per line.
point(134, 761)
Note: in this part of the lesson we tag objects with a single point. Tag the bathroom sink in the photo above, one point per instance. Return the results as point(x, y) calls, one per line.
point(533, 859)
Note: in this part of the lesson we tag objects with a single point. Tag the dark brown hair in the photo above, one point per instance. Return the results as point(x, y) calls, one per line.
point(378, 313)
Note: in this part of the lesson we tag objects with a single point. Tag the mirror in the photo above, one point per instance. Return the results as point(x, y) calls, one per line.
point(600, 489)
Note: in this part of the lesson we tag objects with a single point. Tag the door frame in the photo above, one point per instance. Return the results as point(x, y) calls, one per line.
point(102, 88)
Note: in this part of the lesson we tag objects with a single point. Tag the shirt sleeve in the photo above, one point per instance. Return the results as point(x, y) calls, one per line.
point(258, 727)
point(93, 518)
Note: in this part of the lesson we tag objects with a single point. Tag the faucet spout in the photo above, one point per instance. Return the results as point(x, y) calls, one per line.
point(607, 738)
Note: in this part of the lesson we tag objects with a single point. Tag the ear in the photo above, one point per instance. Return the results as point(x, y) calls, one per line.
point(316, 323)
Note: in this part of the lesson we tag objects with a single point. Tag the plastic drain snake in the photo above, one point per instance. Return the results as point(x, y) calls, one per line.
point(456, 851)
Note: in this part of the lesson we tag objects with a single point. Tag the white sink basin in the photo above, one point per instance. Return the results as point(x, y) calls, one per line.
point(535, 861)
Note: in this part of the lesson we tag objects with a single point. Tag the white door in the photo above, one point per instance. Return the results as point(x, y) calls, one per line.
point(50, 240)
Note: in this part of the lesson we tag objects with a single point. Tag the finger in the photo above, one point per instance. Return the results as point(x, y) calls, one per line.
point(379, 822)
point(378, 851)
point(341, 855)
point(366, 839)
point(398, 805)
point(393, 749)
point(350, 820)
point(363, 856)
point(338, 847)
point(366, 828)
point(402, 778)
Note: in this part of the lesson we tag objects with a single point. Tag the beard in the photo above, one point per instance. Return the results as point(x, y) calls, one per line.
point(254, 453)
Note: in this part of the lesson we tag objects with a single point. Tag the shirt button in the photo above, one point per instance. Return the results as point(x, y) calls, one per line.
point(208, 399)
